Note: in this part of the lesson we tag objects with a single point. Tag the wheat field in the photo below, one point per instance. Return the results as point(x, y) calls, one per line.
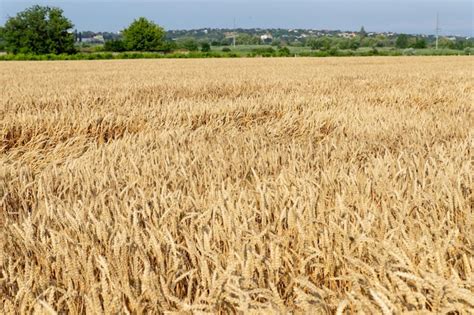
point(254, 186)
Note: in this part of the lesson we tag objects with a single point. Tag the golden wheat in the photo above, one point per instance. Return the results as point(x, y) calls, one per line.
point(247, 185)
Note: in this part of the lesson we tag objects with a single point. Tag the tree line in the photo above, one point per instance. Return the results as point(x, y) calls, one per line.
point(45, 30)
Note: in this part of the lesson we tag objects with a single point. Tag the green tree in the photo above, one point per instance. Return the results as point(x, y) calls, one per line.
point(382, 41)
point(368, 42)
point(362, 32)
point(446, 43)
point(2, 41)
point(322, 43)
point(168, 46)
point(143, 35)
point(189, 44)
point(312, 42)
point(461, 44)
point(39, 30)
point(402, 41)
point(247, 39)
point(114, 45)
point(355, 43)
point(205, 47)
point(344, 43)
point(284, 52)
point(420, 43)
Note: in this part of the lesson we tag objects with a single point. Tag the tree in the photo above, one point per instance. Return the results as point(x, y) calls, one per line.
point(189, 44)
point(312, 43)
point(143, 35)
point(362, 32)
point(446, 43)
point(284, 52)
point(344, 43)
point(276, 43)
point(368, 42)
point(205, 47)
point(355, 43)
point(168, 46)
point(114, 45)
point(247, 39)
point(2, 41)
point(382, 41)
point(461, 44)
point(322, 43)
point(39, 30)
point(402, 41)
point(420, 43)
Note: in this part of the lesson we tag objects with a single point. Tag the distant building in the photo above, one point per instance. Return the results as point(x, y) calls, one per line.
point(98, 39)
point(347, 35)
point(266, 38)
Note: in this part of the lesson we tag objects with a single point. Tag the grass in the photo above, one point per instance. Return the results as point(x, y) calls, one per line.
point(246, 49)
point(240, 51)
point(335, 185)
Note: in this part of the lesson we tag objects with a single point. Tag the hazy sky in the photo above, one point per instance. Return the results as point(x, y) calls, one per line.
point(410, 16)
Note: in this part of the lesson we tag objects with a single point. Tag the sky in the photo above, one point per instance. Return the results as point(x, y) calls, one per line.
point(401, 16)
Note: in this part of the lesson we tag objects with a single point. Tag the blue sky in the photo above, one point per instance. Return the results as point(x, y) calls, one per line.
point(410, 16)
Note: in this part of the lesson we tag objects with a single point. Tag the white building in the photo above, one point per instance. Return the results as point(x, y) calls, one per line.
point(266, 38)
point(98, 39)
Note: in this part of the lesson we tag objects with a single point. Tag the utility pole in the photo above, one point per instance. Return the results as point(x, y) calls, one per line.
point(235, 34)
point(437, 30)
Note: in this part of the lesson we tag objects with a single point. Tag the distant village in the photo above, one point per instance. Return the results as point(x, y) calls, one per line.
point(254, 36)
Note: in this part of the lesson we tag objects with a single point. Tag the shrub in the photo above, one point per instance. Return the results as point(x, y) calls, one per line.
point(189, 44)
point(114, 45)
point(409, 52)
point(167, 47)
point(98, 48)
point(333, 51)
point(205, 47)
point(284, 52)
point(264, 52)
